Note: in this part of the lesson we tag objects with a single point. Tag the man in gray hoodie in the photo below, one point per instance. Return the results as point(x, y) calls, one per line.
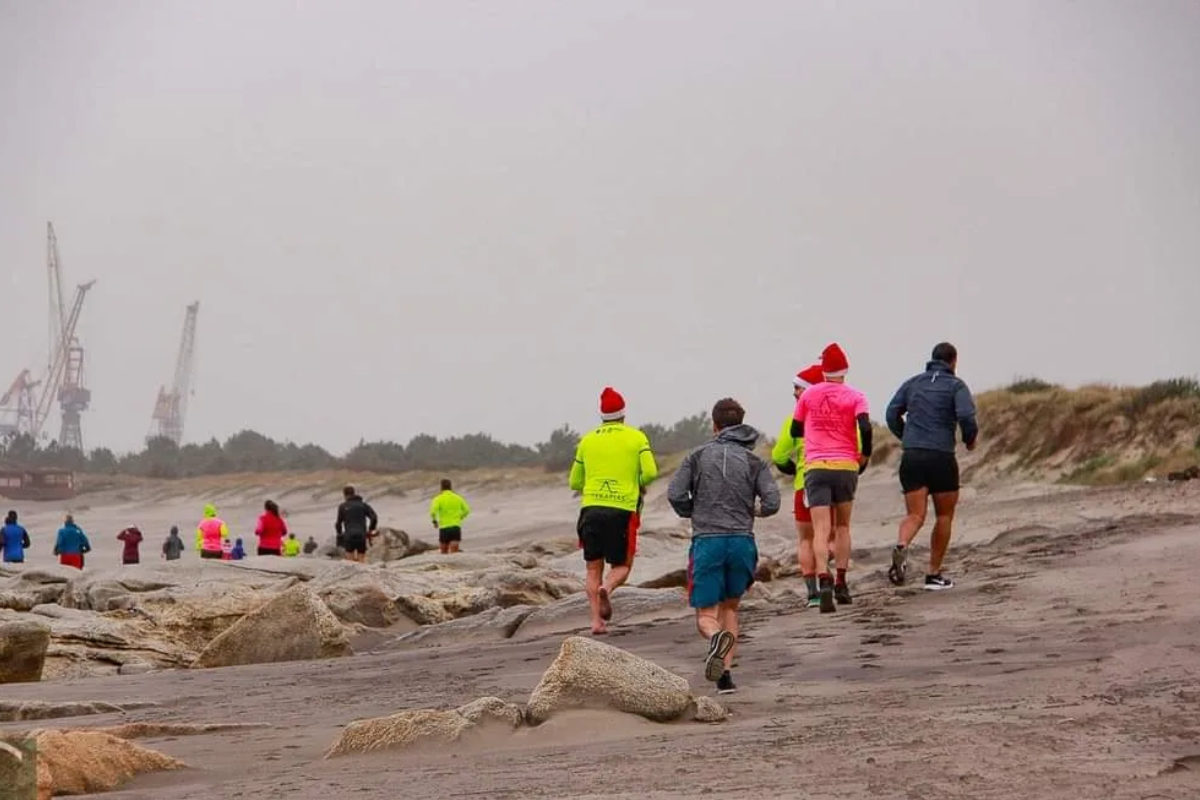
point(925, 415)
point(721, 487)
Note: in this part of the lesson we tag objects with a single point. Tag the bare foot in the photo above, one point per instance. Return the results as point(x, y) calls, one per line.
point(605, 605)
point(599, 630)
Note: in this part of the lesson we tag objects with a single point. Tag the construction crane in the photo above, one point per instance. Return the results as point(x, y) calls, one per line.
point(58, 308)
point(17, 407)
point(72, 397)
point(170, 410)
point(63, 379)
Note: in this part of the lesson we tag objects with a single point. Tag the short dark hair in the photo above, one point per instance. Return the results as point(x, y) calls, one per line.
point(944, 351)
point(348, 492)
point(727, 412)
point(271, 507)
point(446, 484)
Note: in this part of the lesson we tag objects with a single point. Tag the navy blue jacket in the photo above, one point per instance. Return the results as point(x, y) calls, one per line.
point(928, 408)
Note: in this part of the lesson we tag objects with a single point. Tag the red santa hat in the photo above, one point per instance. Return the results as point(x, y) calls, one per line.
point(834, 362)
point(808, 376)
point(612, 405)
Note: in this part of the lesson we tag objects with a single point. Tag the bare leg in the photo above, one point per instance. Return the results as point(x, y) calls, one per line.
point(443, 548)
point(616, 577)
point(915, 504)
point(595, 579)
point(943, 506)
point(727, 617)
point(453, 547)
point(807, 556)
point(841, 541)
point(822, 517)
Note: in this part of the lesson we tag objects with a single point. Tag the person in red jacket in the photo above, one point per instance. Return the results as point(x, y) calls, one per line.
point(132, 537)
point(271, 530)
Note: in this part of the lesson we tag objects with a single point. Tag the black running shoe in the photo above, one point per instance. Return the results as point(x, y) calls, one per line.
point(898, 571)
point(827, 604)
point(937, 583)
point(841, 593)
point(718, 647)
point(725, 684)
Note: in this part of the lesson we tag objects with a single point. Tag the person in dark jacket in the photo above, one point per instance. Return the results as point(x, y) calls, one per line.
point(721, 487)
point(173, 547)
point(71, 544)
point(356, 522)
point(14, 540)
point(926, 414)
point(131, 538)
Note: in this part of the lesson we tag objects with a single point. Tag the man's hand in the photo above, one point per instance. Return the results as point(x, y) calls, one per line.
point(971, 447)
point(863, 463)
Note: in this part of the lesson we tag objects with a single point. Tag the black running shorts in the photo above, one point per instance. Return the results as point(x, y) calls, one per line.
point(448, 535)
point(604, 534)
point(270, 551)
point(354, 542)
point(933, 470)
point(829, 487)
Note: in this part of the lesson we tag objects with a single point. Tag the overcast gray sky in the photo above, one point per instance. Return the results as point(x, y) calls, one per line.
point(445, 217)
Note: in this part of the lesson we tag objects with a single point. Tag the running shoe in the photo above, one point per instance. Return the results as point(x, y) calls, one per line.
point(841, 593)
point(814, 601)
point(718, 647)
point(827, 604)
point(937, 583)
point(898, 571)
point(725, 684)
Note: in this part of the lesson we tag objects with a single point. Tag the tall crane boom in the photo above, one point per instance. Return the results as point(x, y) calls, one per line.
point(170, 409)
point(67, 351)
point(17, 407)
point(58, 308)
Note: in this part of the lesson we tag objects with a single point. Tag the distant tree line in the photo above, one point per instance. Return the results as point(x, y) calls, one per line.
point(250, 451)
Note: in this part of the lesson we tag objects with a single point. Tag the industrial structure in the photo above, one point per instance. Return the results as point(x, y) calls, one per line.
point(24, 410)
point(170, 410)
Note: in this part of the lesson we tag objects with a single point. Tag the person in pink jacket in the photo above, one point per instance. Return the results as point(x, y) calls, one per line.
point(211, 534)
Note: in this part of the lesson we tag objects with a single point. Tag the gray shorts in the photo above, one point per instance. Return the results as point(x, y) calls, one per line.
point(829, 487)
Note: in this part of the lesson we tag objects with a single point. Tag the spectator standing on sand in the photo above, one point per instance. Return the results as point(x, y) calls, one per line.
point(356, 522)
point(211, 534)
point(788, 457)
point(833, 419)
point(448, 510)
point(71, 544)
point(721, 487)
point(270, 530)
point(291, 546)
point(613, 465)
point(310, 546)
point(924, 415)
point(131, 538)
point(173, 547)
point(14, 540)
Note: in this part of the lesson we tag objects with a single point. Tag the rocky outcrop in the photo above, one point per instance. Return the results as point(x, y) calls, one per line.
point(23, 645)
point(90, 762)
point(593, 675)
point(23, 591)
point(294, 626)
point(490, 625)
point(426, 726)
point(630, 604)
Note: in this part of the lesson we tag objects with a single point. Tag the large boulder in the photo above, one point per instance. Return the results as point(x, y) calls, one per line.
point(425, 726)
point(362, 604)
point(591, 674)
point(295, 626)
point(33, 588)
point(23, 645)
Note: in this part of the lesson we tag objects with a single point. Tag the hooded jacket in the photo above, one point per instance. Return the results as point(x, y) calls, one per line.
point(928, 408)
point(131, 537)
point(717, 484)
point(13, 541)
point(71, 540)
point(173, 546)
point(211, 533)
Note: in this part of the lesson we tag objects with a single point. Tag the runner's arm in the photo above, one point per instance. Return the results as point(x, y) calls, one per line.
point(679, 490)
point(340, 522)
point(371, 515)
point(896, 410)
point(577, 478)
point(865, 435)
point(768, 493)
point(964, 410)
point(647, 468)
point(25, 538)
point(781, 453)
point(797, 427)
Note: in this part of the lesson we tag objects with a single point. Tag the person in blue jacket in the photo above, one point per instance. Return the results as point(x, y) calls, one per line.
point(72, 544)
point(14, 540)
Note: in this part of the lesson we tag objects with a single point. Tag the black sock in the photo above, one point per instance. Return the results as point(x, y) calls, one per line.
point(810, 583)
point(824, 579)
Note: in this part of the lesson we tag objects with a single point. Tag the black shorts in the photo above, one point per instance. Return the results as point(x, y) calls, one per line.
point(934, 470)
point(354, 542)
point(829, 487)
point(604, 534)
point(211, 554)
point(134, 560)
point(270, 551)
point(448, 535)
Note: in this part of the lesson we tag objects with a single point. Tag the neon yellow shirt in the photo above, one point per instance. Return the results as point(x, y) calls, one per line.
point(291, 547)
point(449, 509)
point(612, 464)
